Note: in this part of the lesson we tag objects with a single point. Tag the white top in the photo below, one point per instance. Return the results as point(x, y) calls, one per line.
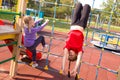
point(76, 27)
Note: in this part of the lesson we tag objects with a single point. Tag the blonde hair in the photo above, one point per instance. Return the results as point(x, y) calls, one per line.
point(27, 19)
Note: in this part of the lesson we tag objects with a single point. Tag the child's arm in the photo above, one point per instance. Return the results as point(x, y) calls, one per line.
point(39, 20)
point(43, 25)
point(77, 63)
point(64, 59)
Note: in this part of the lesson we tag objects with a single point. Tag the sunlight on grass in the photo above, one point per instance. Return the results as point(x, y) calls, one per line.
point(57, 29)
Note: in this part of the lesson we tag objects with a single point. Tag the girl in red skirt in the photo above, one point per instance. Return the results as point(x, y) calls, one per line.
point(74, 43)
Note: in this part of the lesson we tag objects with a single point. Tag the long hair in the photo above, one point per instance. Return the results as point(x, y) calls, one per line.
point(27, 20)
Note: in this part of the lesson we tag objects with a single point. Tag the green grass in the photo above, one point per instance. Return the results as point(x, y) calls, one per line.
point(7, 17)
point(59, 24)
point(106, 27)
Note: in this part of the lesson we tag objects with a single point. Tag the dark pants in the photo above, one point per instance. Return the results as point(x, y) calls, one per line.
point(33, 47)
point(81, 14)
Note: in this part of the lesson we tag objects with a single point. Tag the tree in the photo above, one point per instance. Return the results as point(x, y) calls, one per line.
point(32, 4)
point(107, 11)
point(61, 10)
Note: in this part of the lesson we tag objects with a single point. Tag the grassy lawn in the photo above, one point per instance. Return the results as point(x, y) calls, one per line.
point(60, 25)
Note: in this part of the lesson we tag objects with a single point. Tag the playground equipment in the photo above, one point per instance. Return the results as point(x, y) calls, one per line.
point(37, 13)
point(98, 66)
point(7, 41)
point(29, 53)
point(15, 34)
point(107, 39)
point(40, 13)
point(0, 3)
point(103, 44)
point(38, 55)
point(51, 38)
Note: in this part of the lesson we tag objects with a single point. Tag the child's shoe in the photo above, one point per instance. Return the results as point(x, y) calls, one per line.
point(33, 64)
point(45, 48)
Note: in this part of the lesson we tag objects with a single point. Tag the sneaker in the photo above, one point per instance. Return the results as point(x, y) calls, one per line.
point(33, 64)
point(45, 48)
point(26, 59)
point(24, 56)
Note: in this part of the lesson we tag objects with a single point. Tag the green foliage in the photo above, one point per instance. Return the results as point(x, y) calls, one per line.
point(7, 16)
point(33, 5)
point(107, 11)
point(49, 9)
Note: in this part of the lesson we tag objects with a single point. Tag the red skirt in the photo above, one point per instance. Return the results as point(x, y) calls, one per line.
point(75, 41)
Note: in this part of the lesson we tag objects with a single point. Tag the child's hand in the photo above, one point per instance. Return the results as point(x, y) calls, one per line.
point(47, 20)
point(63, 72)
point(40, 19)
point(73, 72)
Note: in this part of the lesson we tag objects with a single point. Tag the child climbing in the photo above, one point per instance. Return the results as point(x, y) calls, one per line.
point(30, 41)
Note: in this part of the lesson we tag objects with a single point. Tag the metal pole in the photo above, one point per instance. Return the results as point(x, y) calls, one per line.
point(52, 33)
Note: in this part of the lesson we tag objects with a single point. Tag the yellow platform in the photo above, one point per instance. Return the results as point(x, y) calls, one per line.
point(7, 32)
